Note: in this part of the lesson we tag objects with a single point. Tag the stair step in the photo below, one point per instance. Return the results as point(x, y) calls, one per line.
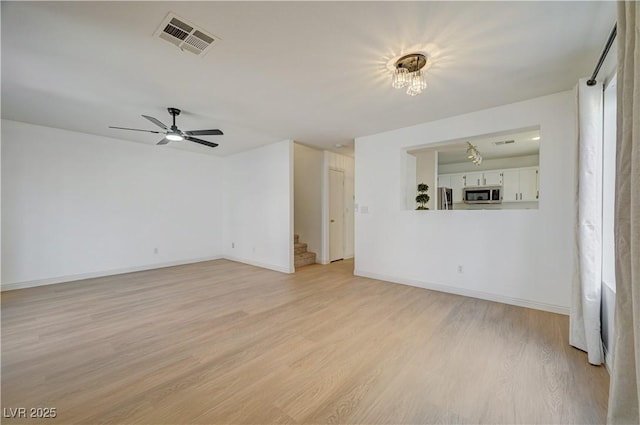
point(304, 259)
point(300, 248)
point(296, 238)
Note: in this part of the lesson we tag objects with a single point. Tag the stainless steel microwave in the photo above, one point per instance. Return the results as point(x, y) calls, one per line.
point(482, 195)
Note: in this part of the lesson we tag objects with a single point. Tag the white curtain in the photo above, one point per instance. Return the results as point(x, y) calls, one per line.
point(585, 304)
point(624, 391)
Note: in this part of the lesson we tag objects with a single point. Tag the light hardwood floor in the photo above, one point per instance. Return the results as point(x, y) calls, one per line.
point(223, 342)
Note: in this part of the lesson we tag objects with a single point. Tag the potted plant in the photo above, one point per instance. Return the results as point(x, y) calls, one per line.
point(422, 197)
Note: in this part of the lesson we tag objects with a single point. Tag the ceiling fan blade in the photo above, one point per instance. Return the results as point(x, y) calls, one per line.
point(163, 141)
point(156, 122)
point(215, 132)
point(202, 142)
point(136, 129)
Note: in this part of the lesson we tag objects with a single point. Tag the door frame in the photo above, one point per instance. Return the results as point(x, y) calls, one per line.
point(328, 219)
point(325, 210)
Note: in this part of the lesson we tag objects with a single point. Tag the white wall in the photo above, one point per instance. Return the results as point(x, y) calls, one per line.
point(308, 172)
point(345, 163)
point(76, 205)
point(490, 164)
point(426, 172)
point(259, 206)
point(523, 257)
point(411, 170)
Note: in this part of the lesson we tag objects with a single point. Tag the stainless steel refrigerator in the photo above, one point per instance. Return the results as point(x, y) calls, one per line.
point(445, 198)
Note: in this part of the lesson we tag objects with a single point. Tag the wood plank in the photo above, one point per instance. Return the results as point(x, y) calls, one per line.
point(223, 342)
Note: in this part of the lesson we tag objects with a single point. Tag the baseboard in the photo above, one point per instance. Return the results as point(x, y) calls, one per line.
point(70, 278)
point(467, 292)
point(269, 266)
point(325, 262)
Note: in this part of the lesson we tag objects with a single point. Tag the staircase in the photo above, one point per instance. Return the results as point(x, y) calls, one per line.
point(301, 256)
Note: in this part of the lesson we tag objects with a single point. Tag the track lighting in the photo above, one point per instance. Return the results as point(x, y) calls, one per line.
point(473, 154)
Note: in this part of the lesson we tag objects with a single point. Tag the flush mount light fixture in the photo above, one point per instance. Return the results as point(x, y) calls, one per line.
point(473, 154)
point(408, 73)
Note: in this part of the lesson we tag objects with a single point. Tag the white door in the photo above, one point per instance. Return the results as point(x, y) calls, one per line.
point(336, 215)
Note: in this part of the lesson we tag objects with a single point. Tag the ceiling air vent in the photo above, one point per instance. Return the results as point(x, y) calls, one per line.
point(183, 34)
point(505, 142)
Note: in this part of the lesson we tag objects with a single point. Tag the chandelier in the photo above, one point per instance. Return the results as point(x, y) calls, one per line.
point(473, 154)
point(408, 73)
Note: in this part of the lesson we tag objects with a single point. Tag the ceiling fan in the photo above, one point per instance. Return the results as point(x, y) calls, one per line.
point(174, 134)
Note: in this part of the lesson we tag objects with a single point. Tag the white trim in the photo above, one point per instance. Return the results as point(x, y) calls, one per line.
point(324, 226)
point(342, 259)
point(609, 285)
point(269, 266)
point(612, 78)
point(328, 171)
point(467, 292)
point(292, 212)
point(82, 276)
point(608, 359)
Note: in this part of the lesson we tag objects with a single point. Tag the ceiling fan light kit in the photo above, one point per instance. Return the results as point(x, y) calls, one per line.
point(408, 73)
point(174, 137)
point(174, 134)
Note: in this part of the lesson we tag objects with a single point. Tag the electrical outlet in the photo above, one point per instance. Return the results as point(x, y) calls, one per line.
point(460, 269)
point(155, 250)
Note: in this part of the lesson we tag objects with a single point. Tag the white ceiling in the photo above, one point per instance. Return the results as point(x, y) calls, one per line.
point(314, 72)
point(525, 142)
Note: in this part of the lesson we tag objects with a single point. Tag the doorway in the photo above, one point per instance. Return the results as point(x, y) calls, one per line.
point(336, 214)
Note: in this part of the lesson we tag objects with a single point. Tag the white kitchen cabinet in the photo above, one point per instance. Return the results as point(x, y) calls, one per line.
point(511, 185)
point(487, 178)
point(529, 184)
point(520, 184)
point(474, 179)
point(492, 178)
point(444, 180)
point(457, 183)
